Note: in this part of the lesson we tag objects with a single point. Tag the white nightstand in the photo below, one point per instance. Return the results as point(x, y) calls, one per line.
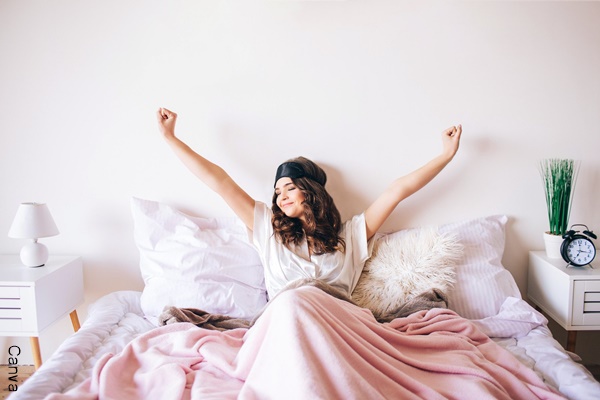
point(31, 299)
point(569, 295)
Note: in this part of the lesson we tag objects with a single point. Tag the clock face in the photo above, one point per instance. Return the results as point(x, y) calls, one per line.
point(581, 251)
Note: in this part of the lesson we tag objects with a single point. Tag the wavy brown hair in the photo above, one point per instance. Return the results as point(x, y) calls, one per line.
point(323, 221)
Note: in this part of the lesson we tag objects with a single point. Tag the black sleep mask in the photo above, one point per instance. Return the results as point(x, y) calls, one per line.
point(292, 170)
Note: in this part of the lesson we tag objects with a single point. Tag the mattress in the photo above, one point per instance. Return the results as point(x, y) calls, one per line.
point(117, 318)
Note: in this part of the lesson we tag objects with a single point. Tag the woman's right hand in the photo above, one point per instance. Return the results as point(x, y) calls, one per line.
point(211, 174)
point(166, 122)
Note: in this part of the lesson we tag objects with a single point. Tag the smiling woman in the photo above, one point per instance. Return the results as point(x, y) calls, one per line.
point(302, 235)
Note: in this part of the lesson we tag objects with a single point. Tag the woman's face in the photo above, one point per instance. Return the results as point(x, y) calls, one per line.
point(289, 198)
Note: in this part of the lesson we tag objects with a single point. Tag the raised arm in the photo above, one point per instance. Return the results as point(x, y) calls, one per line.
point(403, 187)
point(211, 174)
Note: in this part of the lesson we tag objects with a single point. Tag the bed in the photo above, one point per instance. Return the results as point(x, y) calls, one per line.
point(488, 342)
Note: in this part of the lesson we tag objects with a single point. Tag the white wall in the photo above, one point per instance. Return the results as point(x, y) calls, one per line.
point(363, 87)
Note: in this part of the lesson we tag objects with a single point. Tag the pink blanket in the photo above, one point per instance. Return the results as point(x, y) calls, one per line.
point(309, 345)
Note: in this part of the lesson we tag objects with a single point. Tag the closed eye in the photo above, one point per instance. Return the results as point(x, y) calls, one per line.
point(288, 186)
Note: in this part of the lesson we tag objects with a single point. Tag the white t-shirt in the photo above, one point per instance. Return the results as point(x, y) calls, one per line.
point(282, 265)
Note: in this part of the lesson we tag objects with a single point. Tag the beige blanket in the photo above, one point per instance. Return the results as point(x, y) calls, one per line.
point(433, 298)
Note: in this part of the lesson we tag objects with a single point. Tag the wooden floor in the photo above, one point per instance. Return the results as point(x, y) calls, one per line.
point(7, 376)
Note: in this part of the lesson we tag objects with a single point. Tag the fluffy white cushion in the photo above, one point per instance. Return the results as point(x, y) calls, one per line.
point(405, 264)
point(401, 260)
point(196, 262)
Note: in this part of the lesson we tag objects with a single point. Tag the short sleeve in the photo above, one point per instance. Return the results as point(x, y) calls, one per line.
point(362, 248)
point(357, 247)
point(262, 229)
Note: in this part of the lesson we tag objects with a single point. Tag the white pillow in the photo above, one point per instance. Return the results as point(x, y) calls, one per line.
point(405, 264)
point(482, 282)
point(196, 262)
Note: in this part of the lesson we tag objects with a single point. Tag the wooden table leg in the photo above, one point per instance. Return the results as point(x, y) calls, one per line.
point(75, 320)
point(35, 350)
point(35, 341)
point(571, 339)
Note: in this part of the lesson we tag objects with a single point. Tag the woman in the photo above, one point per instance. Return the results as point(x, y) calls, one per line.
point(301, 236)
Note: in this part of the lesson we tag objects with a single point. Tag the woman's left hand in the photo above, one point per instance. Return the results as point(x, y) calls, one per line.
point(451, 140)
point(166, 122)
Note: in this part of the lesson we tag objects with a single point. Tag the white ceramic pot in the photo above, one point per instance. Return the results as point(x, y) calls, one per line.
point(553, 243)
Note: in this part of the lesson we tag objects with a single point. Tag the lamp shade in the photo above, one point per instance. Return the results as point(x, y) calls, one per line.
point(32, 221)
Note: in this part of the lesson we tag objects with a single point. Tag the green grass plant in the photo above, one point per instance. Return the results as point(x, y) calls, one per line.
point(559, 176)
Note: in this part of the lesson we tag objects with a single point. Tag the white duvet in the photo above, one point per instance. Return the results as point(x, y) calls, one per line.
point(117, 318)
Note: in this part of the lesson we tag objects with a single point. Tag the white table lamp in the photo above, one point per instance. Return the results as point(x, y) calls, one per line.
point(33, 221)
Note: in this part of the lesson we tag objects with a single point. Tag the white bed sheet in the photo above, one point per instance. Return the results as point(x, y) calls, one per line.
point(113, 321)
point(117, 318)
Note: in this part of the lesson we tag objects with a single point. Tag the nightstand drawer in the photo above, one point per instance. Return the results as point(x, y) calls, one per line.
point(10, 292)
point(10, 303)
point(11, 325)
point(592, 297)
point(17, 308)
point(591, 307)
point(10, 300)
point(11, 313)
point(586, 302)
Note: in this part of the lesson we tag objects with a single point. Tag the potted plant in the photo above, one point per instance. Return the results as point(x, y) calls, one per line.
point(559, 177)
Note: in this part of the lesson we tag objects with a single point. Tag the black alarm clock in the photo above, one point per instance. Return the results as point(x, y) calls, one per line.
point(578, 249)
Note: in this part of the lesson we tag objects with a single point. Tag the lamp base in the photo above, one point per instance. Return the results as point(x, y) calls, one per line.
point(34, 254)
